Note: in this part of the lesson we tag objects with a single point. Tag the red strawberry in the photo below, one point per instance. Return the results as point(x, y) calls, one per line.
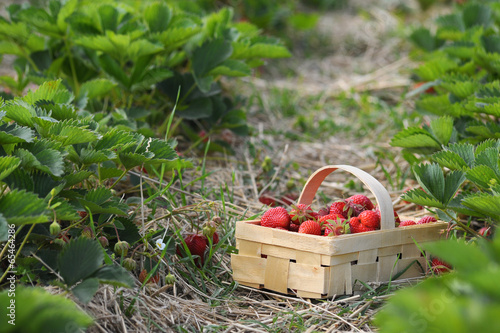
point(485, 231)
point(82, 213)
point(332, 217)
point(370, 219)
point(215, 238)
point(301, 213)
point(362, 200)
point(406, 223)
point(276, 217)
point(154, 279)
point(339, 227)
point(426, 219)
point(438, 266)
point(197, 244)
point(203, 135)
point(323, 211)
point(310, 227)
point(356, 226)
point(294, 227)
point(339, 207)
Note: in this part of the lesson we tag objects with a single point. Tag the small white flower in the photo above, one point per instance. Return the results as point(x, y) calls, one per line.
point(160, 244)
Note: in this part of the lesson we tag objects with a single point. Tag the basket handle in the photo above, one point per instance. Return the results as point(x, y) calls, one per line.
point(383, 198)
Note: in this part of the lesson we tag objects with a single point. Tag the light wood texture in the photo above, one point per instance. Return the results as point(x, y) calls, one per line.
point(276, 274)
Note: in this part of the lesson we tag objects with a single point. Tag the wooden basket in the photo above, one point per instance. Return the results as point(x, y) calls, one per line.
point(318, 266)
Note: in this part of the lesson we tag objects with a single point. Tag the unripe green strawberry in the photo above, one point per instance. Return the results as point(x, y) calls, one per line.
point(129, 264)
point(104, 241)
point(59, 242)
point(87, 233)
point(121, 248)
point(55, 228)
point(170, 279)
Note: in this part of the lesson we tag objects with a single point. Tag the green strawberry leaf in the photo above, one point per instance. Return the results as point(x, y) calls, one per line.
point(157, 16)
point(7, 165)
point(85, 290)
point(114, 275)
point(21, 207)
point(484, 203)
point(79, 259)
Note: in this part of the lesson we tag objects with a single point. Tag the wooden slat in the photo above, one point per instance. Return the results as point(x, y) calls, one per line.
point(308, 278)
point(248, 269)
point(247, 248)
point(332, 260)
point(388, 250)
point(308, 258)
point(253, 285)
point(411, 251)
point(279, 251)
point(307, 294)
point(365, 272)
point(338, 279)
point(276, 274)
point(367, 256)
point(387, 267)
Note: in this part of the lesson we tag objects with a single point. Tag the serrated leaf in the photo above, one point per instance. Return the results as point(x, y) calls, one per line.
point(4, 229)
point(96, 88)
point(59, 111)
point(79, 259)
point(151, 77)
point(11, 133)
point(48, 160)
point(422, 38)
point(176, 36)
point(449, 159)
point(76, 177)
point(99, 195)
point(7, 165)
point(113, 69)
point(20, 179)
point(21, 207)
point(431, 179)
point(463, 256)
point(489, 157)
point(86, 290)
point(131, 160)
point(414, 137)
point(435, 68)
point(210, 55)
point(421, 198)
point(465, 151)
point(453, 181)
point(163, 151)
point(67, 133)
point(49, 91)
point(114, 275)
point(90, 156)
point(21, 112)
point(115, 139)
point(108, 15)
point(482, 175)
point(484, 203)
point(475, 14)
point(442, 128)
point(106, 173)
point(141, 48)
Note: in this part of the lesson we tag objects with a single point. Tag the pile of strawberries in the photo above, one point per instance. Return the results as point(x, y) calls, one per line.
point(353, 215)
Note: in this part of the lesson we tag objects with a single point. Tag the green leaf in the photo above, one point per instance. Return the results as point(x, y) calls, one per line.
point(475, 14)
point(465, 257)
point(90, 156)
point(79, 259)
point(484, 203)
point(131, 160)
point(151, 77)
point(176, 36)
point(66, 11)
point(43, 312)
point(197, 109)
point(75, 178)
point(11, 133)
point(96, 88)
point(109, 17)
point(421, 198)
point(113, 69)
point(431, 178)
point(114, 275)
point(163, 151)
point(231, 67)
point(7, 165)
point(85, 290)
point(21, 207)
point(59, 111)
point(157, 16)
point(49, 91)
point(482, 176)
point(435, 68)
point(106, 173)
point(442, 128)
point(449, 159)
point(141, 48)
point(415, 137)
point(422, 38)
point(4, 229)
point(21, 112)
point(68, 132)
point(210, 55)
point(453, 181)
point(489, 157)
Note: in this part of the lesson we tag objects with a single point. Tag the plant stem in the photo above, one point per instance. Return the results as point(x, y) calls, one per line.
point(72, 65)
point(463, 226)
point(119, 178)
point(18, 251)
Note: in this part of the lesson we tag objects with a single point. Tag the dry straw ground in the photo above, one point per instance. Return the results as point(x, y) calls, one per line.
point(365, 53)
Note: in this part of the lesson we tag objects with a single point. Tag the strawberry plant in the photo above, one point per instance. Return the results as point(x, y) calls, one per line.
point(59, 169)
point(132, 61)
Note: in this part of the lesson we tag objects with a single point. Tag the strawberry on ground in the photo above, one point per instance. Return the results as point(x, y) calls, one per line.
point(370, 219)
point(406, 223)
point(276, 217)
point(438, 266)
point(356, 226)
point(427, 219)
point(310, 227)
point(267, 199)
point(485, 231)
point(154, 279)
point(197, 244)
